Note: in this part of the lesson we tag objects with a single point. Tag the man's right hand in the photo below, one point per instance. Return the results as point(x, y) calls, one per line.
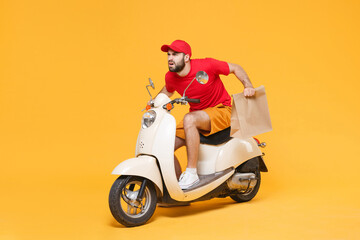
point(249, 92)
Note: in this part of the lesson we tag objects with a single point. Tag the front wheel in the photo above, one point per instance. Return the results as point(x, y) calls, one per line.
point(125, 205)
point(247, 196)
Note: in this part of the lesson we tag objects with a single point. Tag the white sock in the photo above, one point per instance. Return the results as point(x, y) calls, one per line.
point(191, 170)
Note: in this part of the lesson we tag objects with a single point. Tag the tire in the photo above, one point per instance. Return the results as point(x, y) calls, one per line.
point(245, 197)
point(123, 204)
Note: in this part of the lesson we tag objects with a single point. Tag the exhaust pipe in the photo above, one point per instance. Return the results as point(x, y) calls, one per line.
point(244, 182)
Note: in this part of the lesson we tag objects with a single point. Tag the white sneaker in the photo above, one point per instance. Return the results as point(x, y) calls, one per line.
point(188, 179)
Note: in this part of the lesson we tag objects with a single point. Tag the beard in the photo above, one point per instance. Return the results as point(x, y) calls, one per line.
point(178, 67)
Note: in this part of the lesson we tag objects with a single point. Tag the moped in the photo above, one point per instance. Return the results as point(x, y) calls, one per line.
point(226, 166)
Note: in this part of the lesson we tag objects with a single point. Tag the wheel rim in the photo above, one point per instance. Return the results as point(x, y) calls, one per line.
point(128, 203)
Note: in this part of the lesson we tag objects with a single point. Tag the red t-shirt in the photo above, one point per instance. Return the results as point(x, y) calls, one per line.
point(210, 94)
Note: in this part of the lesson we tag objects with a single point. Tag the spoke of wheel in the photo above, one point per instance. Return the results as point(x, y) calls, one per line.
point(134, 211)
point(130, 209)
point(142, 204)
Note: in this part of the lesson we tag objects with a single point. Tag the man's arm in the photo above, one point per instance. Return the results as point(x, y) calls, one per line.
point(239, 72)
point(164, 90)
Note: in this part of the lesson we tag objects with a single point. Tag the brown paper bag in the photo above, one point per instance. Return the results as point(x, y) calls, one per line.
point(250, 115)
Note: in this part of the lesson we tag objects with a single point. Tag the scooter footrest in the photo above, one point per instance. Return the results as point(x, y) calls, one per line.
point(206, 179)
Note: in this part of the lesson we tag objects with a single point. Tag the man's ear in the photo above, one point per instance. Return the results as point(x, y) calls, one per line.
point(186, 58)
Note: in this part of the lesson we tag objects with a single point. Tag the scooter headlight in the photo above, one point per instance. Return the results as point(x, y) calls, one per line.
point(148, 119)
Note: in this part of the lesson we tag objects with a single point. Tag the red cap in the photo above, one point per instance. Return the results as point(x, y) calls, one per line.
point(178, 46)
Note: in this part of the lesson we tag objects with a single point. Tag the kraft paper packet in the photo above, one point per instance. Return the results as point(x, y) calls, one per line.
point(250, 115)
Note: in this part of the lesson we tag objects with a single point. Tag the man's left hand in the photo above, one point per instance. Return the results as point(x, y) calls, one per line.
point(249, 92)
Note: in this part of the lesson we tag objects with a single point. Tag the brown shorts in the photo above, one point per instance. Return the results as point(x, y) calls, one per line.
point(220, 117)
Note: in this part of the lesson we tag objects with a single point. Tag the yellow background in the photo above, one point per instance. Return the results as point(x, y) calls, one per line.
point(72, 84)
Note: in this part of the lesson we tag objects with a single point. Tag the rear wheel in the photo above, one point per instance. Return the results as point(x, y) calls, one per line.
point(248, 195)
point(124, 204)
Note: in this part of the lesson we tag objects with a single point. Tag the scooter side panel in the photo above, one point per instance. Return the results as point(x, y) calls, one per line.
point(208, 155)
point(143, 166)
point(235, 152)
point(145, 140)
point(163, 149)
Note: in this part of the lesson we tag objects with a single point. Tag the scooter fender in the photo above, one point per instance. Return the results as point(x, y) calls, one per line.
point(235, 152)
point(143, 166)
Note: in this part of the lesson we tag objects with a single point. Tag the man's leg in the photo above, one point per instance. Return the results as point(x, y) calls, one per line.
point(192, 123)
point(179, 142)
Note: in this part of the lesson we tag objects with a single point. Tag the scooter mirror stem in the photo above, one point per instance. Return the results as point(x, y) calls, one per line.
point(147, 88)
point(201, 76)
point(188, 86)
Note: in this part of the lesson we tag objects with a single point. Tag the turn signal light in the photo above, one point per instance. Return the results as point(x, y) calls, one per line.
point(148, 107)
point(169, 106)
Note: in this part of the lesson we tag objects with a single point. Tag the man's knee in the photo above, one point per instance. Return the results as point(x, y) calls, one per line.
point(189, 121)
point(197, 119)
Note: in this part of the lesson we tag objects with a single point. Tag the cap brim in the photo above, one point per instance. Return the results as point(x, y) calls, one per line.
point(165, 48)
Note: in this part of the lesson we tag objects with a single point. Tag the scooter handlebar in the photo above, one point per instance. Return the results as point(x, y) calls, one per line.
point(192, 100)
point(182, 100)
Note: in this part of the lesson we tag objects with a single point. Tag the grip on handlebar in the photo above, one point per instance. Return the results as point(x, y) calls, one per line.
point(192, 100)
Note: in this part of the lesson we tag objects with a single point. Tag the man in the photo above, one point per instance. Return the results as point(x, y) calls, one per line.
point(212, 114)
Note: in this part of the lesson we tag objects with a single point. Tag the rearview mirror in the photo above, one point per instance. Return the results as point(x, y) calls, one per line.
point(151, 83)
point(202, 77)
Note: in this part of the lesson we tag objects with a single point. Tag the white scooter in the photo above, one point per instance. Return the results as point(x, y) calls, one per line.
point(226, 166)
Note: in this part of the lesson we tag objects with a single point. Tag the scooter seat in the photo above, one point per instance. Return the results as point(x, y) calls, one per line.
point(216, 138)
